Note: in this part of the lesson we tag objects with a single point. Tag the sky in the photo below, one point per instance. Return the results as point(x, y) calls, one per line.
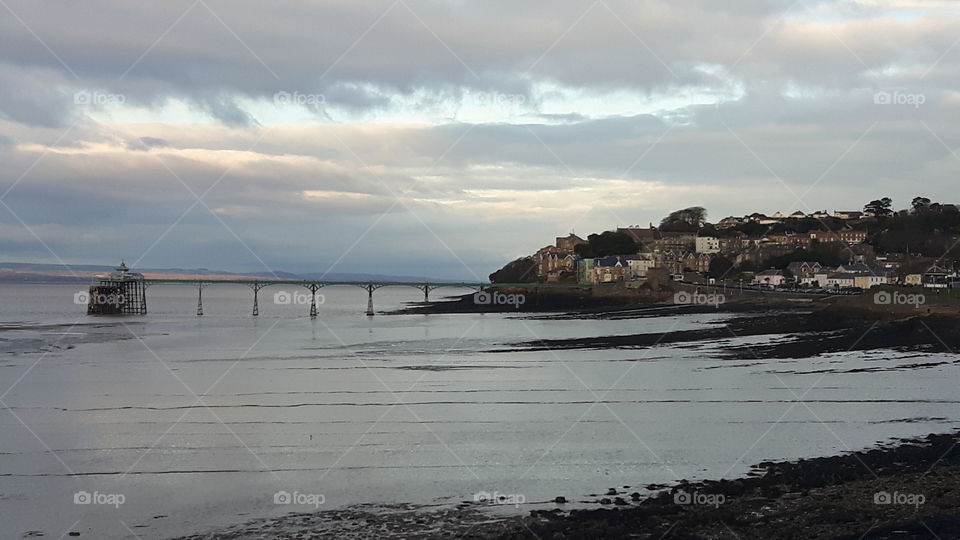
point(443, 139)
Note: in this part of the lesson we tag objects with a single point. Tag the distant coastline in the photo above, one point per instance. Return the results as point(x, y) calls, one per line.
point(29, 273)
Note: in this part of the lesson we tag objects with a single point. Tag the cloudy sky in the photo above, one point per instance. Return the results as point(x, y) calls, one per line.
point(443, 138)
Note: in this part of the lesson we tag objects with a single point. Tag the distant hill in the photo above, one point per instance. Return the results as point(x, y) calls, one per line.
point(84, 273)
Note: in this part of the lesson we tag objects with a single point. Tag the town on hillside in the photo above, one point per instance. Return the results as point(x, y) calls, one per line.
point(832, 252)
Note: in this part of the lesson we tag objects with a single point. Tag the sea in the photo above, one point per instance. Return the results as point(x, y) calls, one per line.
point(171, 424)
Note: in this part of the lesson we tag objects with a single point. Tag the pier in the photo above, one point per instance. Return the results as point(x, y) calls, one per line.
point(132, 289)
point(121, 293)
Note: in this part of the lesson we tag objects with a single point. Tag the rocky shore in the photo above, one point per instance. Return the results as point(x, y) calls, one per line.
point(907, 491)
point(805, 333)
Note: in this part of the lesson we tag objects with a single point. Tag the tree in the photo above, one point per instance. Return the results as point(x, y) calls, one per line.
point(685, 220)
point(708, 229)
point(720, 266)
point(920, 204)
point(879, 208)
point(607, 243)
point(522, 270)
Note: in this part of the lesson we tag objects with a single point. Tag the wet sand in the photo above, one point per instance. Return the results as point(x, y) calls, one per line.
point(906, 490)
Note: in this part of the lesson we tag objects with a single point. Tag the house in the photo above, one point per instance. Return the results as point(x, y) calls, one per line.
point(847, 236)
point(734, 244)
point(868, 281)
point(672, 261)
point(676, 241)
point(552, 264)
point(730, 222)
point(820, 278)
point(856, 268)
point(762, 219)
point(935, 278)
point(609, 269)
point(569, 243)
point(585, 271)
point(639, 265)
point(778, 215)
point(820, 214)
point(698, 262)
point(851, 236)
point(804, 271)
point(707, 244)
point(913, 279)
point(840, 280)
point(795, 241)
point(797, 215)
point(848, 214)
point(774, 278)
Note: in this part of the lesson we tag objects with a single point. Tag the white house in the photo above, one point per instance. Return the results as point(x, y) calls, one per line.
point(867, 281)
point(774, 278)
point(708, 244)
point(840, 280)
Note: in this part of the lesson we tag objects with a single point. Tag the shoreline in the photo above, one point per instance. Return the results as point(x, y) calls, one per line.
point(905, 489)
point(838, 497)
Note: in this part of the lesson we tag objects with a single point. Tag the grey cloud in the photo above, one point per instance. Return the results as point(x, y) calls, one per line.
point(640, 46)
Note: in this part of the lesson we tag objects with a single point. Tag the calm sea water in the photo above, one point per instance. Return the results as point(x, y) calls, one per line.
point(196, 422)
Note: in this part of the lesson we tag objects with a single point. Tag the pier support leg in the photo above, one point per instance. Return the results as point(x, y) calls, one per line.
point(313, 288)
point(370, 290)
point(199, 300)
point(256, 292)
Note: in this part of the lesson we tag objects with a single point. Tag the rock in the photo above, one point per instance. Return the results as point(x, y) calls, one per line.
point(620, 502)
point(560, 500)
point(612, 491)
point(635, 496)
point(605, 501)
